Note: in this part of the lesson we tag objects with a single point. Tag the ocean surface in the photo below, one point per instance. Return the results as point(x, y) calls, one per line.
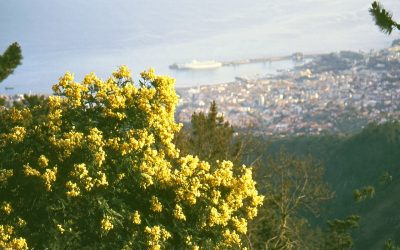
point(82, 36)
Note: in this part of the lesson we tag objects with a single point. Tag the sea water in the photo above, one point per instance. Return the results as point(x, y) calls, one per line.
point(82, 36)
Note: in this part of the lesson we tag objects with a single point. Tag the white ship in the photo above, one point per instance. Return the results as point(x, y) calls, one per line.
point(197, 65)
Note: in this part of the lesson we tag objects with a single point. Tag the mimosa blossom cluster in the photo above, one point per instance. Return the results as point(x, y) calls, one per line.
point(102, 170)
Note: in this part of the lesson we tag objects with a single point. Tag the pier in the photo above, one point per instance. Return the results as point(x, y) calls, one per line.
point(295, 57)
point(197, 65)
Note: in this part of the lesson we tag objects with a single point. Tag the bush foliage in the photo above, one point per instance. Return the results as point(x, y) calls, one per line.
point(99, 171)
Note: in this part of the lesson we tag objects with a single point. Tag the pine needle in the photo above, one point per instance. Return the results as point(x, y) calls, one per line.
point(383, 18)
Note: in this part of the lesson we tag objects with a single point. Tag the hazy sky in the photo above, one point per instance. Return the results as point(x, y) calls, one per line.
point(87, 35)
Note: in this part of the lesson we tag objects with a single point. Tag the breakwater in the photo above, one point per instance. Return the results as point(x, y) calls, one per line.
point(295, 57)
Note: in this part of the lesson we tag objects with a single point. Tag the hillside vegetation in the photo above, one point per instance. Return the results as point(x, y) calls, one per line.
point(369, 158)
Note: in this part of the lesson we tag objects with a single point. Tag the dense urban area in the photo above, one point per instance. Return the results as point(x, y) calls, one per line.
point(338, 92)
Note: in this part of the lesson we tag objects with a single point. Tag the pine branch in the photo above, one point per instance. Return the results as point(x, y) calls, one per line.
point(383, 18)
point(10, 60)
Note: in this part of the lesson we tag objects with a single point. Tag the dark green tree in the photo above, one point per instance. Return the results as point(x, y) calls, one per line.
point(210, 136)
point(391, 245)
point(364, 193)
point(383, 18)
point(339, 236)
point(10, 59)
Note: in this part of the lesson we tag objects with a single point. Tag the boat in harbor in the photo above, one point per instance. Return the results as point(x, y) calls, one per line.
point(195, 65)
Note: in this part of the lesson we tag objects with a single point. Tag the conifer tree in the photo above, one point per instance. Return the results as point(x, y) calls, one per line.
point(339, 235)
point(210, 136)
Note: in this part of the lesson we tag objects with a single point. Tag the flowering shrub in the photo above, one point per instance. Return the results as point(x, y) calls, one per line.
point(101, 172)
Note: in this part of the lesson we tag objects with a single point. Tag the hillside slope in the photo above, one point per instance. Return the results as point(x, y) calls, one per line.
point(354, 162)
